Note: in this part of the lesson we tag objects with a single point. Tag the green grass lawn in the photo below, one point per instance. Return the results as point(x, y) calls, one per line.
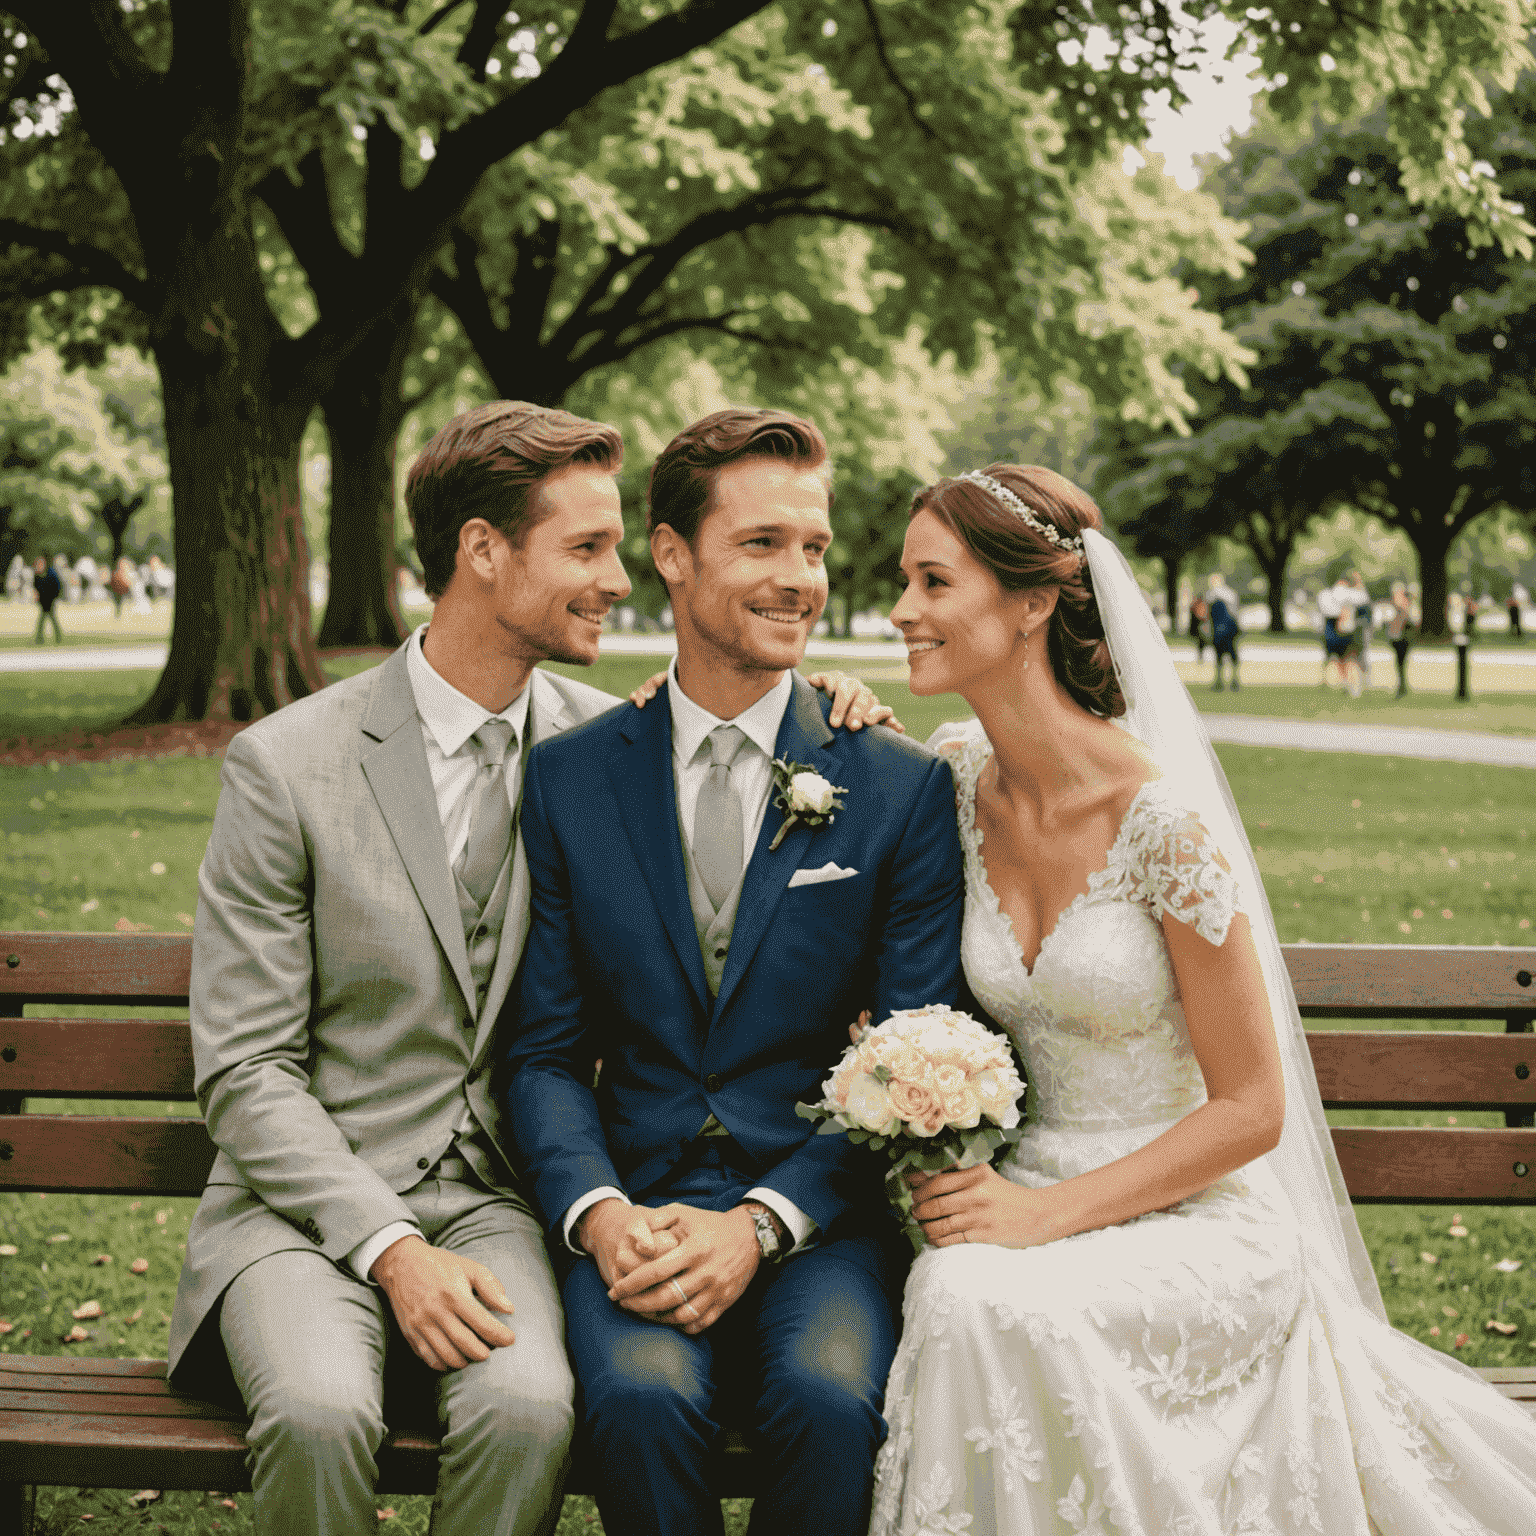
point(1351, 849)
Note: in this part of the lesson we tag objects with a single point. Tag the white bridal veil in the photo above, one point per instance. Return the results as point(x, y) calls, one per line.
point(1161, 715)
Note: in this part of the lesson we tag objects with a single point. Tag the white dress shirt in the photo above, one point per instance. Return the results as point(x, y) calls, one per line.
point(752, 776)
point(448, 720)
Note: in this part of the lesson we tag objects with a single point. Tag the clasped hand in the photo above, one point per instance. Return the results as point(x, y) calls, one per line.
point(699, 1262)
point(978, 1205)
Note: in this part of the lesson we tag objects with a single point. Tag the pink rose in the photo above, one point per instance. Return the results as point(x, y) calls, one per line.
point(917, 1105)
point(947, 1080)
point(962, 1109)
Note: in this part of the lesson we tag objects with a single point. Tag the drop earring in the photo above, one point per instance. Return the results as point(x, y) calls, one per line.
point(1026, 650)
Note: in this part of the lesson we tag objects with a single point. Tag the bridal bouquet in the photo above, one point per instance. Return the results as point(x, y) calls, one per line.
point(930, 1088)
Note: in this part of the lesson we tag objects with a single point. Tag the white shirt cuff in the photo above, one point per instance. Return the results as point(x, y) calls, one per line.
point(799, 1224)
point(579, 1208)
point(363, 1256)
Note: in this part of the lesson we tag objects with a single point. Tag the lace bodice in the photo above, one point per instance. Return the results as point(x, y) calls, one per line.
point(1098, 1019)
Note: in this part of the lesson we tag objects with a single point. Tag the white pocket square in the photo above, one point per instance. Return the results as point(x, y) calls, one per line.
point(820, 876)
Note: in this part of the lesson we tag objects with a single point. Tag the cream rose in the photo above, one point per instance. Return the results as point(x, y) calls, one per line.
point(869, 1105)
point(901, 1060)
point(948, 1079)
point(810, 794)
point(962, 1109)
point(996, 1094)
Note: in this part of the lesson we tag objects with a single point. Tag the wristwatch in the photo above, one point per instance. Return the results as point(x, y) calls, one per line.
point(768, 1244)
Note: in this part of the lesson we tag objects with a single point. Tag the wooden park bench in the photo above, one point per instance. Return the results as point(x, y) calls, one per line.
point(118, 1424)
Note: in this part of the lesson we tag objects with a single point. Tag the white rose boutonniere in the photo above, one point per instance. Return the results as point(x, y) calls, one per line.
point(804, 796)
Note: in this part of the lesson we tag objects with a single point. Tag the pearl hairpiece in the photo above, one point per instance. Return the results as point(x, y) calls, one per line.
point(1014, 504)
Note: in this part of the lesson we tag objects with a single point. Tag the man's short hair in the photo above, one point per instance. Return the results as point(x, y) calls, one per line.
point(485, 463)
point(682, 484)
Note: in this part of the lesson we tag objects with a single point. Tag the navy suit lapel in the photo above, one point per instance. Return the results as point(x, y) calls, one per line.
point(805, 738)
point(643, 782)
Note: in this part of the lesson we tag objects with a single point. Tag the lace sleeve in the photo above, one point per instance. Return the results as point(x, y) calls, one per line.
point(1182, 872)
point(953, 737)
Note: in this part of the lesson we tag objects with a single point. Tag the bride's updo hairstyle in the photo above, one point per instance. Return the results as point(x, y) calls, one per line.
point(1021, 557)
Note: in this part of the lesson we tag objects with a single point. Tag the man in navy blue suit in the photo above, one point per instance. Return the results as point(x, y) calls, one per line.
point(719, 1263)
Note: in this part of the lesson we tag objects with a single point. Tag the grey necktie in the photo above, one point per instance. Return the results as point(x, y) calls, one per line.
point(717, 836)
point(490, 813)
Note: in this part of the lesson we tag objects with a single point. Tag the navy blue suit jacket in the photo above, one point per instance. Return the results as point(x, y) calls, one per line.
point(611, 968)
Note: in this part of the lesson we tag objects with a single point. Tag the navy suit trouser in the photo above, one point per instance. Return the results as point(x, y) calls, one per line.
point(798, 1364)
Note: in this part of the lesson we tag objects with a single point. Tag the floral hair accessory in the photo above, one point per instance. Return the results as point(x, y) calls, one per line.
point(1049, 531)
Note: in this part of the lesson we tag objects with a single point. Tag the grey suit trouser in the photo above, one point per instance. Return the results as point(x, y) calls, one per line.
point(308, 1342)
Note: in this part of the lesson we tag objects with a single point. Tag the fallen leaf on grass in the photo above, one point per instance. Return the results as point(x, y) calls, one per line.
point(133, 1317)
point(144, 1496)
point(89, 906)
point(76, 1335)
point(1434, 1331)
point(9, 1249)
point(86, 1309)
point(1493, 1325)
point(387, 1513)
point(127, 925)
point(185, 917)
point(59, 1237)
point(1430, 1258)
point(161, 1217)
point(1507, 1266)
point(229, 1503)
point(102, 1258)
point(1450, 1311)
point(140, 1266)
point(5, 1327)
point(1458, 1231)
point(1462, 1340)
point(26, 1333)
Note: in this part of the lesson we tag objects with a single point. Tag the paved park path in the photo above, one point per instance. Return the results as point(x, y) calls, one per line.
point(1238, 730)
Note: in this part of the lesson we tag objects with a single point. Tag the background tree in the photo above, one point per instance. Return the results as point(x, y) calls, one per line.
point(1393, 350)
point(135, 215)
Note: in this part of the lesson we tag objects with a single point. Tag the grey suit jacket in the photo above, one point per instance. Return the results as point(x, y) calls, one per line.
point(335, 1030)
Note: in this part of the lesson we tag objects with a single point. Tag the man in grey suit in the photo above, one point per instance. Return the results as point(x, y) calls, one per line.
point(363, 904)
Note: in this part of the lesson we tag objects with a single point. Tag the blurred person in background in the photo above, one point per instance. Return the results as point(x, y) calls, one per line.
point(1354, 626)
point(1398, 625)
point(1330, 606)
point(1518, 598)
point(17, 579)
point(120, 584)
point(1198, 615)
point(1221, 605)
point(47, 586)
point(161, 580)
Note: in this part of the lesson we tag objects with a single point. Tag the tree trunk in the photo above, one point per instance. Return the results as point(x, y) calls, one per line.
point(241, 644)
point(1432, 555)
point(363, 414)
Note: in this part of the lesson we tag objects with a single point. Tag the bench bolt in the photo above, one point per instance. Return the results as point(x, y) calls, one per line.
point(1522, 1071)
point(13, 961)
point(7, 1151)
point(1521, 1169)
point(8, 1054)
point(1522, 978)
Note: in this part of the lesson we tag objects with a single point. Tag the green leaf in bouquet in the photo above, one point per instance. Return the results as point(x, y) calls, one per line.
point(810, 1111)
point(876, 1142)
point(858, 1137)
point(883, 1074)
point(830, 1127)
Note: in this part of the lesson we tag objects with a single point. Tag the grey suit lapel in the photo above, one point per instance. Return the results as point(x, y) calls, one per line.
point(548, 715)
point(394, 761)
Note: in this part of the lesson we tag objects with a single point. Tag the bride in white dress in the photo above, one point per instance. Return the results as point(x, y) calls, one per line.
point(1157, 1314)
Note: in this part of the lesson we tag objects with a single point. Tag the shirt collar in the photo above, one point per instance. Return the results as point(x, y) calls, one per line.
point(451, 716)
point(759, 723)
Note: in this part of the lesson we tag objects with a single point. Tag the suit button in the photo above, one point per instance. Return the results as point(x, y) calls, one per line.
point(721, 953)
point(473, 1075)
point(712, 1082)
point(422, 1163)
point(481, 931)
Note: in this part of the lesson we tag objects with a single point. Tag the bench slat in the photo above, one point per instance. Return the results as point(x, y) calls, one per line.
point(96, 1058)
point(143, 968)
point(145, 1391)
point(1362, 981)
point(104, 1155)
point(1403, 1165)
point(1370, 1070)
point(117, 1405)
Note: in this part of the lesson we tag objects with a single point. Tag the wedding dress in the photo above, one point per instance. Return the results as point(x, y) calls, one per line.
point(1188, 1371)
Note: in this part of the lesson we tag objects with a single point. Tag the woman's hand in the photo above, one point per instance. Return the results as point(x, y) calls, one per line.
point(854, 704)
point(978, 1205)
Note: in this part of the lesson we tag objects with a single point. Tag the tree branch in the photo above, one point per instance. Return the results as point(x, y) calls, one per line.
point(890, 70)
point(89, 266)
point(480, 37)
point(438, 17)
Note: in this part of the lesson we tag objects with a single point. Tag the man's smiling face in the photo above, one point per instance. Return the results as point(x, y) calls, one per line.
point(553, 592)
point(754, 582)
